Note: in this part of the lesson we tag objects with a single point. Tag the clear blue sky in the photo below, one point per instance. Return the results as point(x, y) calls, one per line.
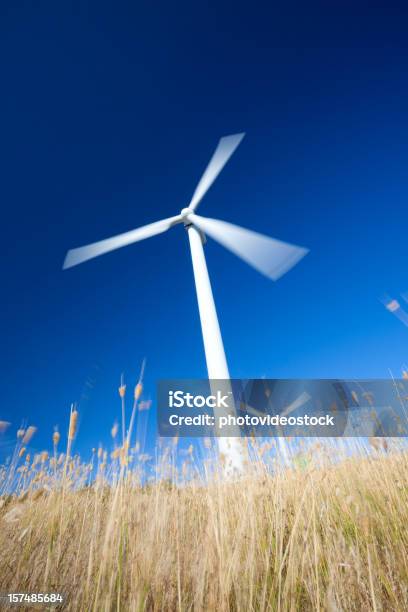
point(109, 114)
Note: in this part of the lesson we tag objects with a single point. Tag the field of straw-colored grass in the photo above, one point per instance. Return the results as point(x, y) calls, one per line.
point(328, 537)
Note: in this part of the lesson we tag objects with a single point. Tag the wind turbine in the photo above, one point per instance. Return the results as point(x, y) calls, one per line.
point(271, 257)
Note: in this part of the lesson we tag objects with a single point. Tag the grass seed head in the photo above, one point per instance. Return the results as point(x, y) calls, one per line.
point(138, 390)
point(122, 391)
point(29, 434)
point(115, 454)
point(73, 422)
point(114, 430)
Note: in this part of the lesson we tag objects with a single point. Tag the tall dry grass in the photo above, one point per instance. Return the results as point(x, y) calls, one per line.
point(327, 538)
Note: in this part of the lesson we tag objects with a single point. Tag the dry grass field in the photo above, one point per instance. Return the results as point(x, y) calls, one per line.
point(318, 535)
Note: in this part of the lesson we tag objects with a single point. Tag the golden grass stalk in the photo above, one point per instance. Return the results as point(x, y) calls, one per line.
point(73, 423)
point(122, 392)
point(56, 438)
point(138, 390)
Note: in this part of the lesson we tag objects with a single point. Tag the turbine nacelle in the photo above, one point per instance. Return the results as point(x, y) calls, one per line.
point(185, 213)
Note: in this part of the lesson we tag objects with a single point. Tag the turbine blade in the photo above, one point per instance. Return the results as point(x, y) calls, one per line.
point(271, 257)
point(81, 254)
point(222, 153)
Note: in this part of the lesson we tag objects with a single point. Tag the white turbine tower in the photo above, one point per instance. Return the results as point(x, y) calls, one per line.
point(269, 256)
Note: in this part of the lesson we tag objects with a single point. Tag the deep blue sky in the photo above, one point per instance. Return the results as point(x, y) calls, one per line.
point(109, 113)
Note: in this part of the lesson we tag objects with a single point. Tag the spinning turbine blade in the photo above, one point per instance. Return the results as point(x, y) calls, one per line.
point(222, 153)
point(271, 257)
point(81, 254)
